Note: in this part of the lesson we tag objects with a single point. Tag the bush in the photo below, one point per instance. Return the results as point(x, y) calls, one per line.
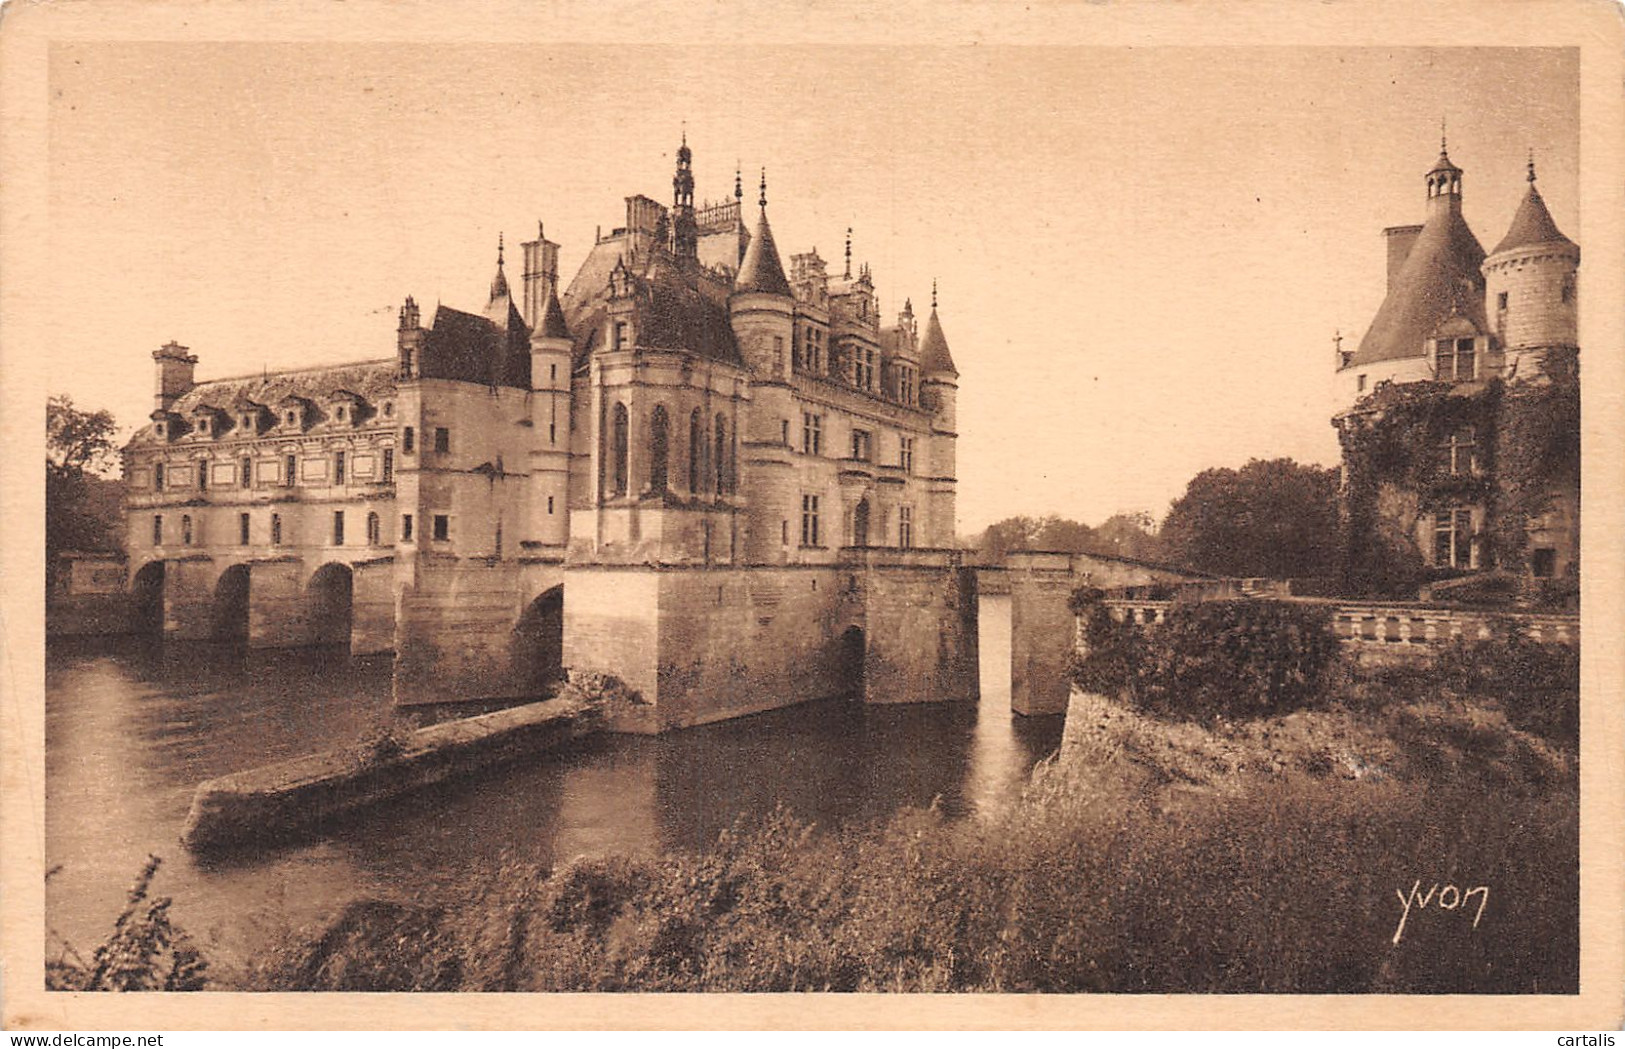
point(1211, 659)
point(146, 951)
point(1536, 684)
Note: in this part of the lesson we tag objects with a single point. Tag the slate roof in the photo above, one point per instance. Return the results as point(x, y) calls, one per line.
point(676, 307)
point(1531, 225)
point(372, 380)
point(761, 270)
point(934, 355)
point(471, 348)
point(1440, 279)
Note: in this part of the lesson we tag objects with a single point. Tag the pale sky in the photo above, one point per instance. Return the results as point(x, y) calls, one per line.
point(1142, 253)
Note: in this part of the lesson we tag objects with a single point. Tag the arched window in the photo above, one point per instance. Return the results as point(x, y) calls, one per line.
point(619, 451)
point(721, 461)
point(659, 449)
point(696, 453)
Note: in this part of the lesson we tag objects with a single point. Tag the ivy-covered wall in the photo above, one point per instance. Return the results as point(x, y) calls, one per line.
point(1397, 471)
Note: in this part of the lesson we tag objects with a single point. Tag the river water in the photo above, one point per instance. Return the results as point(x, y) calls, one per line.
point(133, 727)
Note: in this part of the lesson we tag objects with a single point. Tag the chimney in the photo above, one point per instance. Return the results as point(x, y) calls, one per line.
point(175, 370)
point(540, 278)
point(1400, 239)
point(409, 341)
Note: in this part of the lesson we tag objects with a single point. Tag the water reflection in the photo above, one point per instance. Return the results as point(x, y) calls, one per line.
point(131, 729)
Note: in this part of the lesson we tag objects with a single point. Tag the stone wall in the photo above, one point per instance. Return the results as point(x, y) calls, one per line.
point(920, 628)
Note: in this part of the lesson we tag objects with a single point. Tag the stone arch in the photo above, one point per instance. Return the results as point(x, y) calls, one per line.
point(537, 643)
point(330, 597)
point(147, 599)
point(231, 598)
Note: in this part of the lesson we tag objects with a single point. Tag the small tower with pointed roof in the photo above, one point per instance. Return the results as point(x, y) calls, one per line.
point(1530, 286)
point(541, 276)
point(761, 303)
point(684, 232)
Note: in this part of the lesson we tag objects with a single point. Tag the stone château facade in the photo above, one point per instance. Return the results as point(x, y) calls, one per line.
point(1461, 431)
point(729, 484)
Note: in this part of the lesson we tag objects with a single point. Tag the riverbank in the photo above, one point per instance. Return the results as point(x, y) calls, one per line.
point(1307, 853)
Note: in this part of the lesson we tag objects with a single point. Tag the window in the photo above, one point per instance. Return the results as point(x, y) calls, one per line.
point(696, 452)
point(442, 440)
point(861, 442)
point(1457, 360)
point(809, 520)
point(1453, 539)
point(338, 467)
point(619, 336)
point(550, 504)
point(552, 373)
point(812, 433)
point(905, 384)
point(863, 367)
point(905, 454)
point(498, 541)
point(408, 440)
point(374, 531)
point(659, 448)
point(186, 529)
point(389, 465)
point(245, 474)
point(158, 476)
point(157, 529)
point(290, 466)
point(1359, 384)
point(1568, 289)
point(242, 529)
point(620, 440)
point(389, 409)
point(203, 425)
point(784, 533)
point(1461, 453)
point(905, 526)
point(338, 413)
point(202, 466)
point(292, 418)
point(1543, 562)
point(338, 527)
point(721, 460)
point(1501, 301)
point(784, 430)
point(406, 528)
point(276, 529)
point(442, 527)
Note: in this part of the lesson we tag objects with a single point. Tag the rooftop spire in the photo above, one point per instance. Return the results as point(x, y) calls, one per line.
point(739, 182)
point(1531, 164)
point(933, 294)
point(848, 274)
point(499, 283)
point(762, 200)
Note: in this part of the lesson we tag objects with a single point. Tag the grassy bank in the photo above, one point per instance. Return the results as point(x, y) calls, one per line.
point(1271, 856)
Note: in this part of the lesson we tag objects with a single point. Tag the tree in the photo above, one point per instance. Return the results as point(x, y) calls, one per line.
point(1128, 535)
point(1275, 518)
point(80, 506)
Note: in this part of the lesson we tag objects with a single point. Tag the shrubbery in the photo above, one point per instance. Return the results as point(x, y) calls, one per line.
point(1536, 684)
point(144, 952)
point(1210, 659)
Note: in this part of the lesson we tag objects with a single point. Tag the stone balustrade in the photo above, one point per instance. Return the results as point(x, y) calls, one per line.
point(1377, 630)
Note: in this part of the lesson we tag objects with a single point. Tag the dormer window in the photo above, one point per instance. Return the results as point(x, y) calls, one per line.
point(389, 409)
point(203, 425)
point(338, 413)
point(158, 428)
point(1456, 360)
point(293, 418)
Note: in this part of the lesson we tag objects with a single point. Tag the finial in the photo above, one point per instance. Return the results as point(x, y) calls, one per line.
point(499, 249)
point(1531, 164)
point(1441, 135)
point(739, 182)
point(762, 200)
point(539, 235)
point(685, 132)
point(933, 293)
point(848, 274)
point(1337, 340)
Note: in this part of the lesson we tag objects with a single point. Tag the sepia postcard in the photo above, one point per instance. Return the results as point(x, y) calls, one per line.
point(801, 515)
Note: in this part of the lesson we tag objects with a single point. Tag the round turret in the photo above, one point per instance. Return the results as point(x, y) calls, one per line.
point(1529, 279)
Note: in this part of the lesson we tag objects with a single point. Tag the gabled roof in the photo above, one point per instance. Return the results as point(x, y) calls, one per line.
point(674, 307)
point(760, 270)
point(1439, 279)
point(373, 380)
point(934, 355)
point(1531, 225)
